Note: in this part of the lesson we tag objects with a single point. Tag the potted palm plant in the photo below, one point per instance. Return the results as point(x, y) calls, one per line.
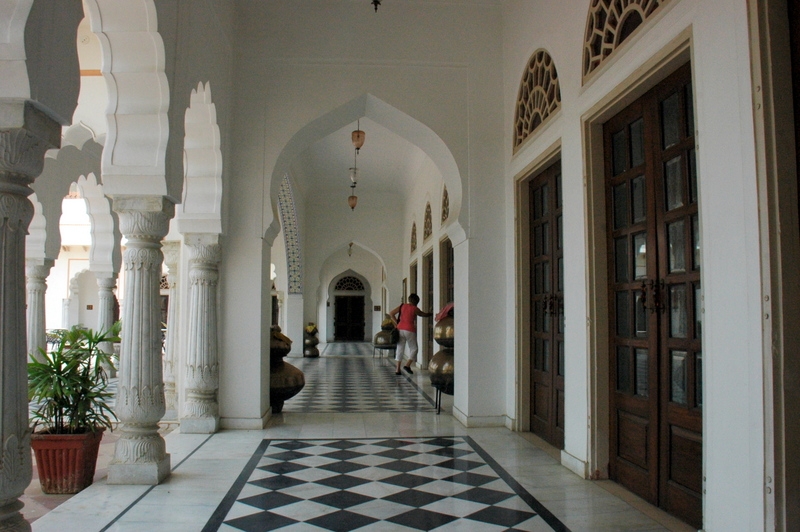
point(69, 388)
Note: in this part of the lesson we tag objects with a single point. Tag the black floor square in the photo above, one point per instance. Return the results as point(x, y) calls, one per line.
point(357, 499)
point(422, 519)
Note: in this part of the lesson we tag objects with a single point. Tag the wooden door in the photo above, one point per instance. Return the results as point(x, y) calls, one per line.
point(427, 304)
point(349, 319)
point(547, 308)
point(654, 299)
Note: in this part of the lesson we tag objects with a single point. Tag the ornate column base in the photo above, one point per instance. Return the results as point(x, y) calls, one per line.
point(140, 456)
point(10, 521)
point(147, 474)
point(199, 425)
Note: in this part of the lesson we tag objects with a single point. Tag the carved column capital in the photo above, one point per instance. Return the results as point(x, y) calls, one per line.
point(144, 217)
point(22, 148)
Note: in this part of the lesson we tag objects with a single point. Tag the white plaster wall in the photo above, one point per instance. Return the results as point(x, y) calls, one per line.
point(87, 300)
point(440, 63)
point(733, 419)
point(330, 227)
point(70, 261)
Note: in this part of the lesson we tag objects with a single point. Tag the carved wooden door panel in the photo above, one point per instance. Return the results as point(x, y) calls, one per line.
point(655, 299)
point(547, 308)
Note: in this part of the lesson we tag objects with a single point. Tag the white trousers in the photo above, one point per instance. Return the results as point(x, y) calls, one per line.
point(407, 338)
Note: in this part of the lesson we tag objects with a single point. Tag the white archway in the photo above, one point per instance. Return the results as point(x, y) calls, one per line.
point(394, 120)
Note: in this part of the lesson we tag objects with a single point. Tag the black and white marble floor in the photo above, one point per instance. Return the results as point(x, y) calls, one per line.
point(397, 484)
point(362, 468)
point(346, 378)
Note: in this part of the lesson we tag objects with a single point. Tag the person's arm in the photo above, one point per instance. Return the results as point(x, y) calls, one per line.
point(424, 314)
point(395, 312)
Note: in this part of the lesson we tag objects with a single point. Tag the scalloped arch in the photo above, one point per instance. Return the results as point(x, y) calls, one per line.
point(105, 255)
point(200, 210)
point(539, 95)
point(138, 95)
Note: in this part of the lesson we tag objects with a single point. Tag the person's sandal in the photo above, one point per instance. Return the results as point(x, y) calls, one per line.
point(408, 369)
point(397, 373)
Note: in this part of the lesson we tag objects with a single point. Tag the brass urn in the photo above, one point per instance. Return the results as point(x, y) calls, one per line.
point(285, 380)
point(441, 365)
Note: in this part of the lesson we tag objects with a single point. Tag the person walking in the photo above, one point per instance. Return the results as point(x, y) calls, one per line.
point(406, 318)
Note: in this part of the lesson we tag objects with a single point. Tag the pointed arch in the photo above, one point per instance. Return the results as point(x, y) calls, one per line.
point(393, 119)
point(291, 236)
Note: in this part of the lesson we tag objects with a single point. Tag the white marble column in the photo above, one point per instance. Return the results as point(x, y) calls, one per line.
point(200, 408)
point(140, 455)
point(172, 253)
point(106, 284)
point(23, 142)
point(36, 272)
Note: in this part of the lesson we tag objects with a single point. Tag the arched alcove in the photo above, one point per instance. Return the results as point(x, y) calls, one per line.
point(349, 304)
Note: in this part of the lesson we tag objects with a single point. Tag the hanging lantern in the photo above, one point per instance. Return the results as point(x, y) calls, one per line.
point(358, 137)
point(352, 201)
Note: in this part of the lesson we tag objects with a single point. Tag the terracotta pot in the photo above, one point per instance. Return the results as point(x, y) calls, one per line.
point(66, 462)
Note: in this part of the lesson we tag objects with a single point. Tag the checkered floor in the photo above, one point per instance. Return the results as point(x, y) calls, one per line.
point(440, 483)
point(354, 383)
point(337, 349)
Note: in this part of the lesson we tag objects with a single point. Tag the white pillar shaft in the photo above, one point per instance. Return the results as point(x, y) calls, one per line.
point(21, 160)
point(140, 454)
point(15, 474)
point(171, 258)
point(201, 410)
point(106, 283)
point(37, 286)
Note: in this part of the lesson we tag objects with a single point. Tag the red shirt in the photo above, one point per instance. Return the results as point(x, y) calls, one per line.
point(408, 318)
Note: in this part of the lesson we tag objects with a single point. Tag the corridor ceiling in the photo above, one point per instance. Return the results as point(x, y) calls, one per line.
point(387, 164)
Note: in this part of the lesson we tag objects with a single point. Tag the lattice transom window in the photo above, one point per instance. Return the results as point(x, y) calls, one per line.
point(349, 284)
point(427, 229)
point(539, 95)
point(164, 284)
point(609, 23)
point(445, 205)
point(413, 237)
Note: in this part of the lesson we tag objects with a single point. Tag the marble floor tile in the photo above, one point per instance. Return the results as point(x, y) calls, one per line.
point(378, 459)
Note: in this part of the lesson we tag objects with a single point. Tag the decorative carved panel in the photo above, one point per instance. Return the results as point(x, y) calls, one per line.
point(539, 96)
point(445, 205)
point(413, 237)
point(427, 229)
point(609, 23)
point(350, 284)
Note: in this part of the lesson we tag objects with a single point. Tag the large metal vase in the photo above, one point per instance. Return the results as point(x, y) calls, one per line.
point(285, 380)
point(440, 365)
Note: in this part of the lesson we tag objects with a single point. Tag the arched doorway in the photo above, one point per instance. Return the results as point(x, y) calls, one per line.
point(349, 308)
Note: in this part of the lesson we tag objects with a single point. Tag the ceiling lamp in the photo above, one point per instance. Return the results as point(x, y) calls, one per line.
point(376, 3)
point(357, 137)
